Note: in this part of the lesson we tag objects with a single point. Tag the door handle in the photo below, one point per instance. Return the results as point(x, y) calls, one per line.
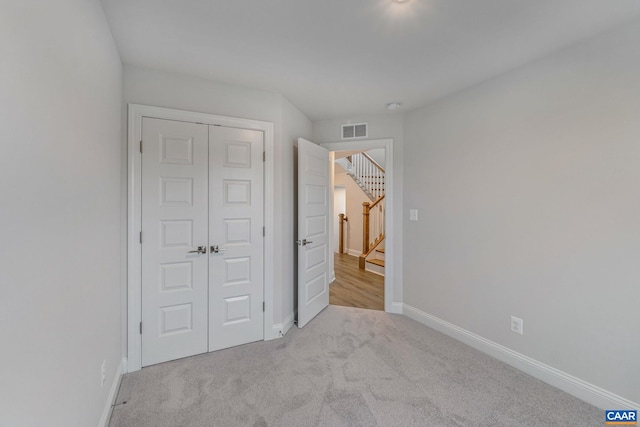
point(216, 249)
point(200, 250)
point(304, 242)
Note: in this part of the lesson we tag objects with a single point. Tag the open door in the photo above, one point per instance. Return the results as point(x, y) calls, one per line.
point(313, 230)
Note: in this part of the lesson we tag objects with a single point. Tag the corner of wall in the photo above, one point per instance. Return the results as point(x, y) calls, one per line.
point(113, 394)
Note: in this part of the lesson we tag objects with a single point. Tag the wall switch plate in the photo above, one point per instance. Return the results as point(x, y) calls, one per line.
point(413, 214)
point(517, 325)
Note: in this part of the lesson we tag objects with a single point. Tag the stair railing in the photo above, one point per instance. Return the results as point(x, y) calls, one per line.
point(368, 174)
point(372, 228)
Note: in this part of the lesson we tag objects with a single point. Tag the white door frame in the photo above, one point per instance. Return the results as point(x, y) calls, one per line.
point(134, 282)
point(369, 144)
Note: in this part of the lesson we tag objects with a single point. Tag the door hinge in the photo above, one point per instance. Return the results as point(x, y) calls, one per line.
point(263, 306)
point(140, 146)
point(141, 237)
point(140, 328)
point(263, 232)
point(264, 156)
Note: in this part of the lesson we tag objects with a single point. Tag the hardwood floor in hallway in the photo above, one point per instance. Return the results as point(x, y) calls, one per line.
point(354, 287)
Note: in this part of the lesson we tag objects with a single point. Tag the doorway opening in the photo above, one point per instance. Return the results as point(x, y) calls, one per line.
point(356, 281)
point(359, 233)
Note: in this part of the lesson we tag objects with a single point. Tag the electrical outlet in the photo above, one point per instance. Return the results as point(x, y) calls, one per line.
point(413, 214)
point(517, 325)
point(103, 373)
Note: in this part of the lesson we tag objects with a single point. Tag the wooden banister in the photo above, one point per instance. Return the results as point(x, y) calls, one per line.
point(368, 247)
point(377, 202)
point(365, 226)
point(343, 219)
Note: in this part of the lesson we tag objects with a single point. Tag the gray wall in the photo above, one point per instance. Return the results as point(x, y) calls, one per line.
point(528, 192)
point(380, 127)
point(60, 103)
point(294, 125)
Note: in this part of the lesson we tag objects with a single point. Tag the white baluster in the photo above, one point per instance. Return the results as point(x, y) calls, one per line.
point(371, 180)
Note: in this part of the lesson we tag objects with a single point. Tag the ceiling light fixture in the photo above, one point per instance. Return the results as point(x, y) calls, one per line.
point(394, 105)
point(401, 1)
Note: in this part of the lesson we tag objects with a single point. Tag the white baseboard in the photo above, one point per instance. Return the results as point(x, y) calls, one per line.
point(113, 393)
point(353, 252)
point(581, 389)
point(281, 329)
point(396, 308)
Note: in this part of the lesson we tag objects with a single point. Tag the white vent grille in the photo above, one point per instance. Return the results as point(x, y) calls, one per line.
point(356, 130)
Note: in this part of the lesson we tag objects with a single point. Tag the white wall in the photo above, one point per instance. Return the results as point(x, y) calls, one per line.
point(163, 89)
point(377, 154)
point(527, 187)
point(60, 111)
point(380, 127)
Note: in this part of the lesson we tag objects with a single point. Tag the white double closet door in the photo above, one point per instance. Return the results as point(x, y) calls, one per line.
point(202, 238)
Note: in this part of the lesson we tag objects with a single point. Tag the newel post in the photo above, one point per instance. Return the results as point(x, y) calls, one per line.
point(365, 226)
point(342, 221)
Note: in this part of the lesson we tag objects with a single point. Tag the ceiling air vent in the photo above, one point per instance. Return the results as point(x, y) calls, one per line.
point(356, 130)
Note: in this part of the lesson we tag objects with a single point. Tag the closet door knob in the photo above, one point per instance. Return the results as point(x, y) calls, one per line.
point(200, 250)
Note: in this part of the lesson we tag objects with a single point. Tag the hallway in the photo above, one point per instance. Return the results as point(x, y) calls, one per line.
point(354, 287)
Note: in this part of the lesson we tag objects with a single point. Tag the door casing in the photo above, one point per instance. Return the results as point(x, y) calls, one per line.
point(368, 144)
point(134, 286)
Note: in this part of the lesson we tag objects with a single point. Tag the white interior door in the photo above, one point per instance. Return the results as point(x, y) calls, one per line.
point(236, 284)
point(202, 238)
point(314, 185)
point(174, 223)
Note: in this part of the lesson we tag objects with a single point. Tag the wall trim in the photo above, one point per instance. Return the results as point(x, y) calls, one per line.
point(577, 387)
point(370, 270)
point(397, 308)
point(281, 329)
point(353, 252)
point(113, 394)
point(134, 290)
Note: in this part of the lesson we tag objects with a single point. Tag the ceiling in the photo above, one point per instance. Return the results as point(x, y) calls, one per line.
point(341, 58)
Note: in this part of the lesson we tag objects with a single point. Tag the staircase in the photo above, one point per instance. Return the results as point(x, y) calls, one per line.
point(366, 173)
point(375, 262)
point(370, 177)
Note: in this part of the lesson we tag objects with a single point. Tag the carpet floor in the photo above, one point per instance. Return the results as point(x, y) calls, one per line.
point(348, 367)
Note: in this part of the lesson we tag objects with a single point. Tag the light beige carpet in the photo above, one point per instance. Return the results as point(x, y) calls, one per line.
point(348, 367)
